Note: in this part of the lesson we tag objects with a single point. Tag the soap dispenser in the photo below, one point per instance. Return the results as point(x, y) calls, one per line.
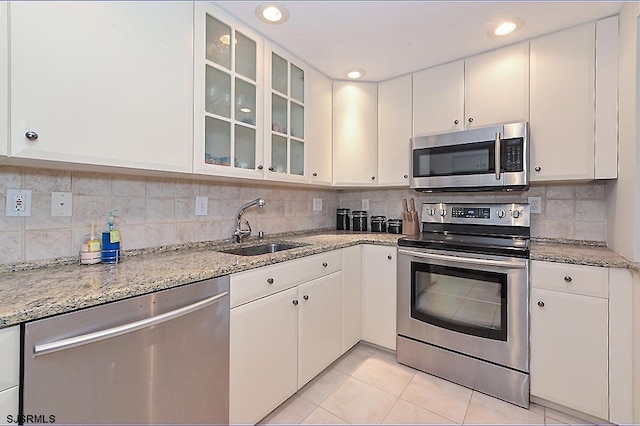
point(111, 241)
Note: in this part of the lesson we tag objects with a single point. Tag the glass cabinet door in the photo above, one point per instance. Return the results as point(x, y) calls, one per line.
point(231, 97)
point(287, 117)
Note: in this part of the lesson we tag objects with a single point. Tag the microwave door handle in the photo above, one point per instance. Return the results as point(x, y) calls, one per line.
point(498, 161)
point(513, 263)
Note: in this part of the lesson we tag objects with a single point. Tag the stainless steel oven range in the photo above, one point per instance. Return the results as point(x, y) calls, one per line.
point(463, 297)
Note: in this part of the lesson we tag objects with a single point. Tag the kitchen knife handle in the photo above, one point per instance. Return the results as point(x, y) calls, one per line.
point(404, 205)
point(413, 204)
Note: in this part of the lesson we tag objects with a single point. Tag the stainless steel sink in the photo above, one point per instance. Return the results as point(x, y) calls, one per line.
point(262, 249)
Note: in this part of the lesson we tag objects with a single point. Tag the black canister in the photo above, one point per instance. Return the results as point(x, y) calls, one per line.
point(378, 224)
point(343, 221)
point(359, 220)
point(394, 226)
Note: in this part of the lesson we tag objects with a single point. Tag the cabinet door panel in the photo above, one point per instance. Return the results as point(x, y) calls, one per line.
point(263, 356)
point(355, 133)
point(4, 80)
point(319, 322)
point(351, 296)
point(379, 295)
point(106, 83)
point(562, 105)
point(569, 350)
point(394, 131)
point(438, 99)
point(320, 122)
point(9, 405)
point(9, 357)
point(497, 86)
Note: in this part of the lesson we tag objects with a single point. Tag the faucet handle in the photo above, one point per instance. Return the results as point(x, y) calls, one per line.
point(248, 227)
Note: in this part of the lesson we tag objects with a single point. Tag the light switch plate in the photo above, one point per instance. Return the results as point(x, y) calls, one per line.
point(202, 206)
point(61, 204)
point(365, 204)
point(18, 202)
point(535, 205)
point(317, 204)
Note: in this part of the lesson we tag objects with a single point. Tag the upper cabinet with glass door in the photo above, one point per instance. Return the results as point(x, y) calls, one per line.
point(228, 95)
point(286, 153)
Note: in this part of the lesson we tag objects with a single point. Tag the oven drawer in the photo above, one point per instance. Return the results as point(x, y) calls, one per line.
point(576, 279)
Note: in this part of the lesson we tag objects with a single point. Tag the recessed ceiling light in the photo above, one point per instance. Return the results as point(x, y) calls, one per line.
point(504, 28)
point(272, 13)
point(355, 73)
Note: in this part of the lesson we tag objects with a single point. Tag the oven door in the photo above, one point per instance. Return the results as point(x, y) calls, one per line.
point(469, 303)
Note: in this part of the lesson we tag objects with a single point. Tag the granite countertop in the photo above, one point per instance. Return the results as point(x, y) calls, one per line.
point(30, 292)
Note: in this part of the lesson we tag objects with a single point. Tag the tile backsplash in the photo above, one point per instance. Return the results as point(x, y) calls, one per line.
point(151, 212)
point(574, 211)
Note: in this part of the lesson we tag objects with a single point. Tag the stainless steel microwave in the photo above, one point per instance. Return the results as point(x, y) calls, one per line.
point(492, 158)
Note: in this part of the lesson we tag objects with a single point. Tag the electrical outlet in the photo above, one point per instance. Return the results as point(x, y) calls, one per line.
point(535, 204)
point(365, 205)
point(61, 204)
point(317, 204)
point(18, 202)
point(202, 206)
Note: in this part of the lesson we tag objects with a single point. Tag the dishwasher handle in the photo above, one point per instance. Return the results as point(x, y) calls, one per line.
point(96, 336)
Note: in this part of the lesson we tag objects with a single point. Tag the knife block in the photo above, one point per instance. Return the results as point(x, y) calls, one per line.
point(410, 223)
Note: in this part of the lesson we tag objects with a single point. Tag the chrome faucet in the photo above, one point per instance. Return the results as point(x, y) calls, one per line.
point(241, 232)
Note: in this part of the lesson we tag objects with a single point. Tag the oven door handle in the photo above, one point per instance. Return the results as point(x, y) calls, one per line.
point(519, 263)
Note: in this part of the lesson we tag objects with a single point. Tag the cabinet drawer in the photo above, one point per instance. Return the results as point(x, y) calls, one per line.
point(9, 357)
point(576, 279)
point(251, 285)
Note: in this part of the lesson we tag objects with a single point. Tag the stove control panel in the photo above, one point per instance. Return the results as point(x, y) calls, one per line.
point(514, 214)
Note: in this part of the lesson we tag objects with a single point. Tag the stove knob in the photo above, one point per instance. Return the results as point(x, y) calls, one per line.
point(501, 214)
point(443, 212)
point(431, 212)
point(516, 214)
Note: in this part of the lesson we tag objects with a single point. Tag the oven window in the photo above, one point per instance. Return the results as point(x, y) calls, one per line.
point(464, 300)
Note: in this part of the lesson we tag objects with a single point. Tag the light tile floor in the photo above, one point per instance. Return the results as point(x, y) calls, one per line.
point(367, 386)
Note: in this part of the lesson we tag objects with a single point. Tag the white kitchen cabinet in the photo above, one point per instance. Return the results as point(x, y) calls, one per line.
point(320, 127)
point(9, 372)
point(569, 336)
point(263, 356)
point(319, 325)
point(351, 296)
point(497, 86)
point(482, 90)
point(286, 149)
point(4, 80)
point(438, 99)
point(355, 133)
point(574, 89)
point(379, 295)
point(394, 131)
point(228, 96)
point(102, 83)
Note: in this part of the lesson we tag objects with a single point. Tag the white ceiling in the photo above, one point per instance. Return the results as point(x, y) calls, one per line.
point(391, 38)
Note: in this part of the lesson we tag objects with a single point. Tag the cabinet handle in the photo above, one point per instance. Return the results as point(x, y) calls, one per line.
point(305, 297)
point(406, 176)
point(269, 280)
point(389, 257)
point(538, 168)
point(456, 122)
point(315, 175)
point(373, 178)
point(470, 119)
point(295, 302)
point(31, 135)
point(568, 279)
point(325, 264)
point(541, 303)
point(271, 168)
point(260, 167)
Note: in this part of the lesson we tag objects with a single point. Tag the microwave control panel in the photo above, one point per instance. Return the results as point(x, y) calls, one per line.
point(512, 155)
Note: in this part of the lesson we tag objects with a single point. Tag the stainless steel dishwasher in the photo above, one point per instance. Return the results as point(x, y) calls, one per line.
point(161, 358)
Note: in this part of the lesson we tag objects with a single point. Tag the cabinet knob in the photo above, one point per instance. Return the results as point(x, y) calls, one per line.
point(269, 280)
point(373, 178)
point(305, 297)
point(389, 257)
point(260, 167)
point(538, 168)
point(315, 175)
point(271, 168)
point(325, 264)
point(295, 302)
point(541, 303)
point(406, 176)
point(470, 119)
point(568, 279)
point(456, 122)
point(31, 135)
